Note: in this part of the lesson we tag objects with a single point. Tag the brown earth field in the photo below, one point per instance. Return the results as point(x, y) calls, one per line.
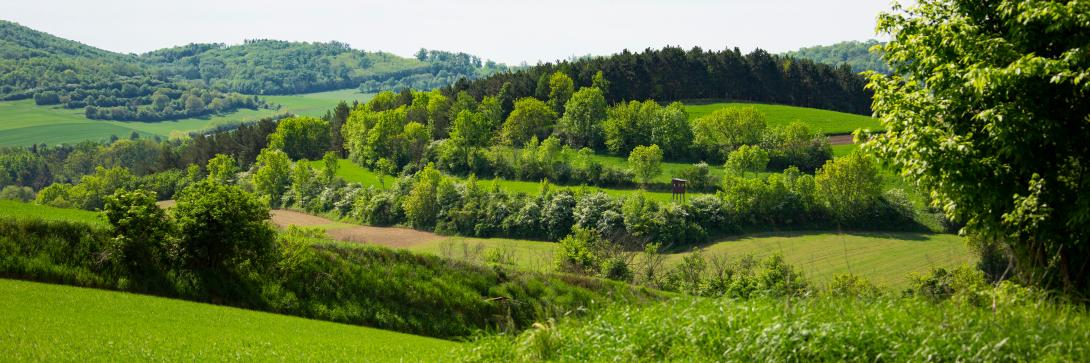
point(842, 139)
point(395, 237)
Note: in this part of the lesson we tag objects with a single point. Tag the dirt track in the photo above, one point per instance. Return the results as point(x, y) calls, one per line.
point(385, 236)
point(843, 139)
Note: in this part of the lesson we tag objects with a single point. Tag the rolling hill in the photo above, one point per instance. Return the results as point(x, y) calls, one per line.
point(43, 322)
point(199, 80)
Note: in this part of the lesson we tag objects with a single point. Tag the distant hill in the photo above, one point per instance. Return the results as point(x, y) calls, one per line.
point(202, 79)
point(854, 53)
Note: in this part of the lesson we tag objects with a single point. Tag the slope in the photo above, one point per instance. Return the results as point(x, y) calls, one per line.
point(43, 322)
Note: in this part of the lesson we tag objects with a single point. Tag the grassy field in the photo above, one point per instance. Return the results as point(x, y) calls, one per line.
point(16, 209)
point(885, 259)
point(23, 123)
point(829, 122)
point(351, 172)
point(844, 150)
point(42, 322)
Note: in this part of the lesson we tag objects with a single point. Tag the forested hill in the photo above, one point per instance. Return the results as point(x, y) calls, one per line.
point(671, 74)
point(201, 79)
point(853, 53)
point(266, 67)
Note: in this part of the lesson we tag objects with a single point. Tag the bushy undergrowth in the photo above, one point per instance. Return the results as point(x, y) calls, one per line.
point(813, 329)
point(313, 278)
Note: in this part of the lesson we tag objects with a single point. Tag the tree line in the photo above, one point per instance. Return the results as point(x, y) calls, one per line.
point(671, 74)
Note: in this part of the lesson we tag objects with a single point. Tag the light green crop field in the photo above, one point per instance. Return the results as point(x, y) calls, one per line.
point(886, 259)
point(16, 209)
point(829, 122)
point(23, 123)
point(351, 172)
point(43, 322)
point(844, 150)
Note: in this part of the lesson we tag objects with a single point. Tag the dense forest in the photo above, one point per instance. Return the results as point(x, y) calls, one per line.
point(202, 79)
point(853, 53)
point(672, 74)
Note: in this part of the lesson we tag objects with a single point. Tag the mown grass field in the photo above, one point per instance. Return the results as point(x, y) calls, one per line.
point(829, 122)
point(16, 209)
point(23, 123)
point(43, 322)
point(886, 259)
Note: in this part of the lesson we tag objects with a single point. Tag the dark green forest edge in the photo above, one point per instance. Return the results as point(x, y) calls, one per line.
point(203, 79)
point(1002, 161)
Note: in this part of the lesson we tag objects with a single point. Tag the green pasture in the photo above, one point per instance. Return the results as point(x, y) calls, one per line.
point(353, 173)
point(886, 259)
point(17, 209)
point(24, 123)
point(43, 322)
point(829, 122)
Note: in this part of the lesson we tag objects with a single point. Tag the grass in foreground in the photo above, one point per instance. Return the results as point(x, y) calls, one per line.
point(43, 322)
point(810, 329)
point(829, 122)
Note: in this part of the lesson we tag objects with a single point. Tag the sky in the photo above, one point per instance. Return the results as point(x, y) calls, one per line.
point(508, 31)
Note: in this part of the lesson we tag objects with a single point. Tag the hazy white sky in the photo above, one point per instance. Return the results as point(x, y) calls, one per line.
point(507, 31)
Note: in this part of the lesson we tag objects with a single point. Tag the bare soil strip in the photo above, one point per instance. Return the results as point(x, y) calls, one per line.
point(843, 139)
point(385, 236)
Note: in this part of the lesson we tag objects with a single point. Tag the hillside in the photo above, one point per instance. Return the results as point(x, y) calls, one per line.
point(59, 323)
point(200, 80)
point(855, 54)
point(26, 124)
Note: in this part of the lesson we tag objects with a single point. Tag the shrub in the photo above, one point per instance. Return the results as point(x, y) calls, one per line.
point(849, 285)
point(848, 186)
point(557, 215)
point(142, 233)
point(699, 176)
point(15, 192)
point(222, 228)
point(577, 252)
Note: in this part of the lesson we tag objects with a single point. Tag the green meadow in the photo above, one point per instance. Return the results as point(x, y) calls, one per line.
point(353, 173)
point(829, 122)
point(17, 209)
point(23, 123)
point(886, 259)
point(43, 322)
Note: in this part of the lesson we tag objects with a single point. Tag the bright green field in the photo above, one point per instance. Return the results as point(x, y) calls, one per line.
point(886, 259)
point(669, 170)
point(351, 172)
point(16, 209)
point(23, 123)
point(844, 150)
point(43, 322)
point(829, 122)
